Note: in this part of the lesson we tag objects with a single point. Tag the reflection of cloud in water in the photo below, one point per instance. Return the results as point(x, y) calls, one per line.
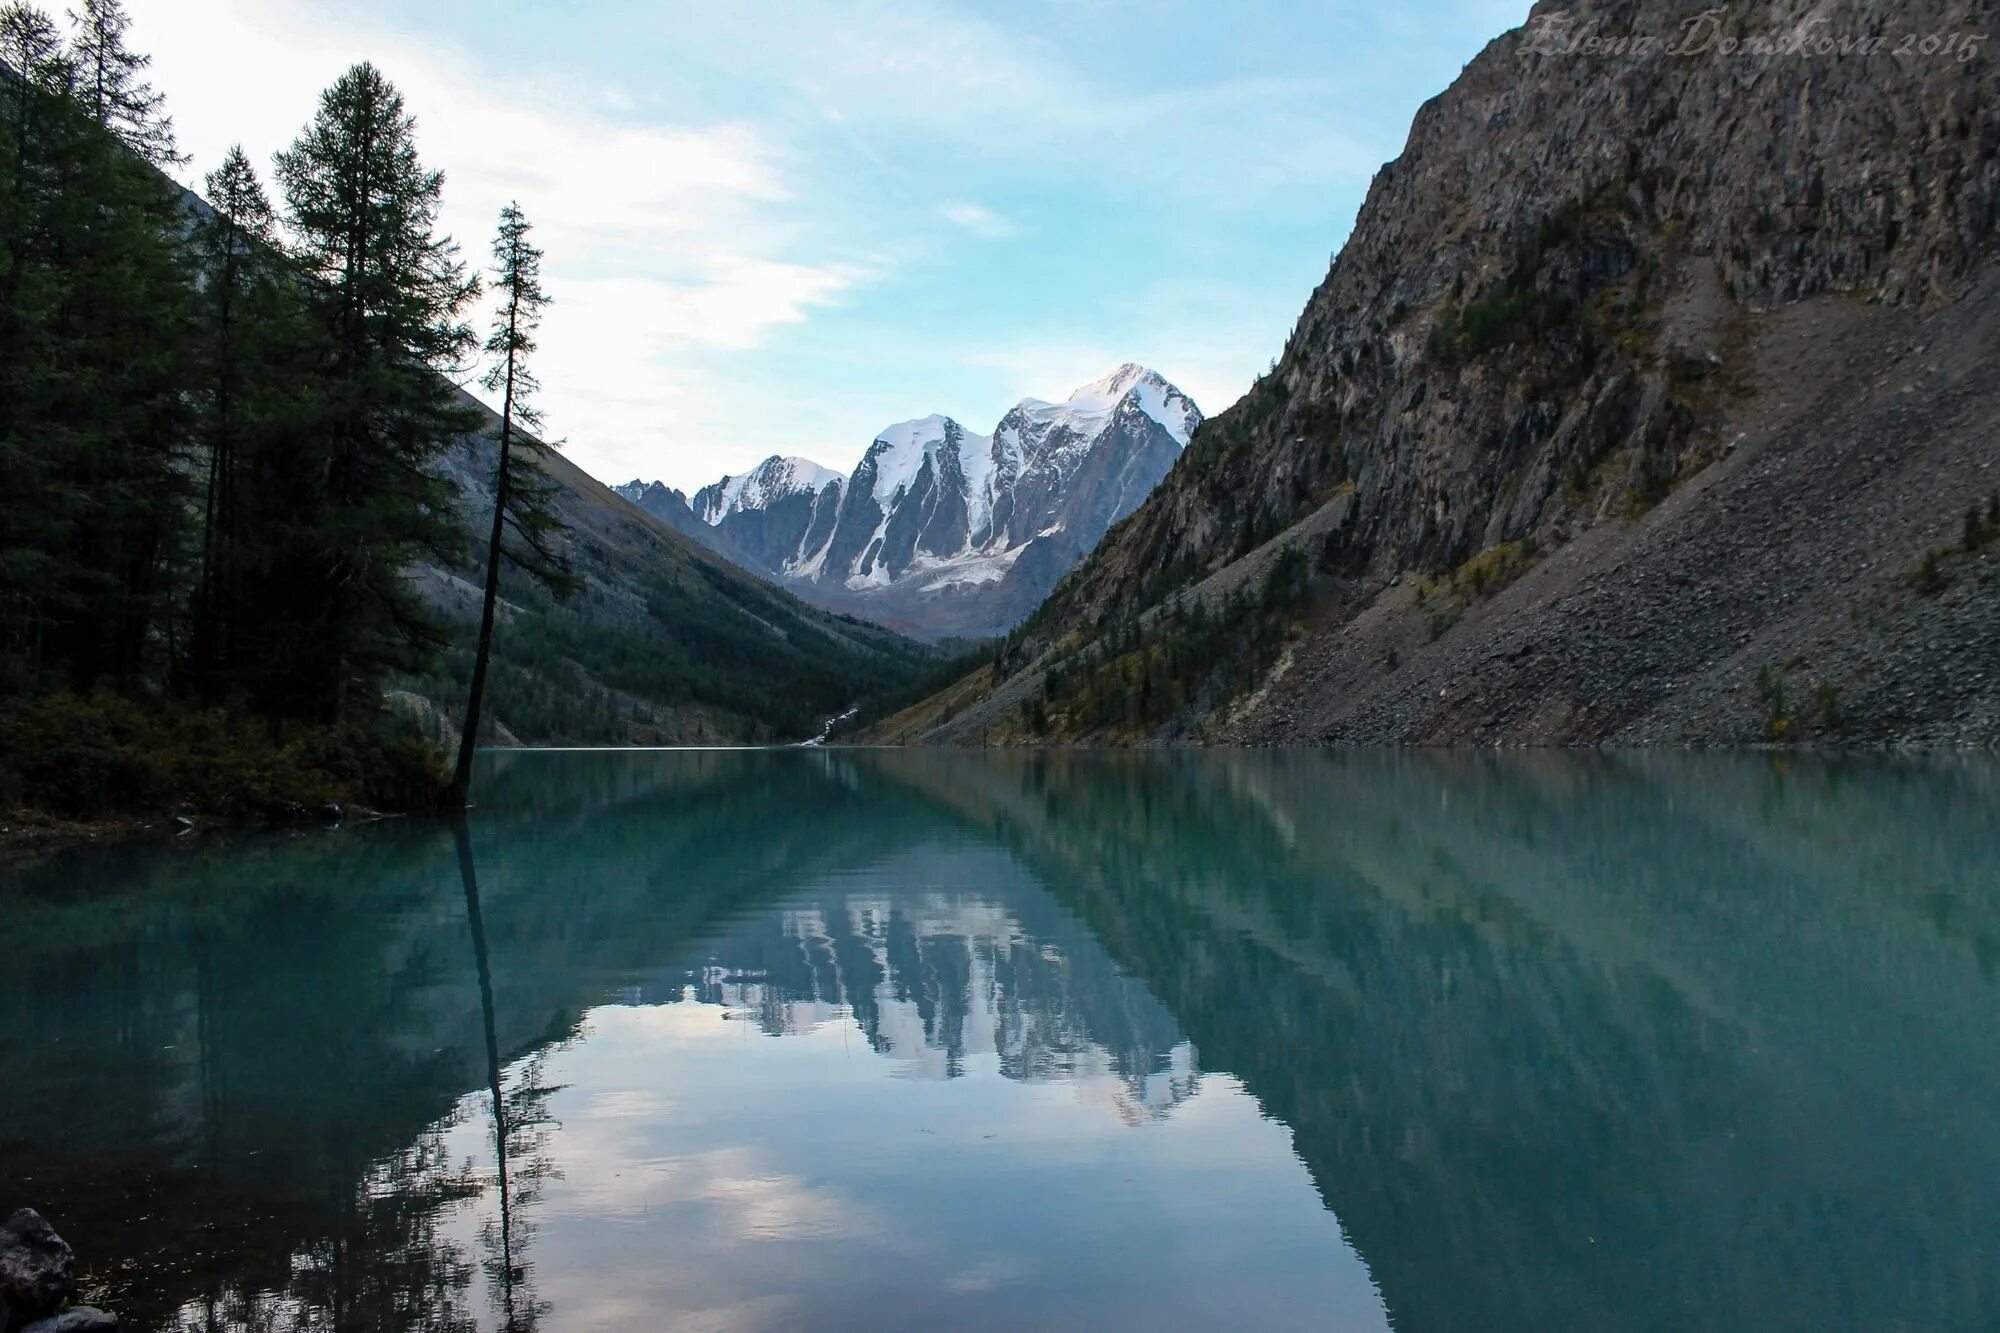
point(811, 1170)
point(767, 1205)
point(622, 1104)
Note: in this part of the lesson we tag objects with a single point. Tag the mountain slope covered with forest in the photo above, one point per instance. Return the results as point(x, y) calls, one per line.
point(240, 483)
point(665, 642)
point(1649, 401)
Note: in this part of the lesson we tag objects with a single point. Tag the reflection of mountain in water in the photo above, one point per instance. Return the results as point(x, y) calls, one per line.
point(938, 977)
point(1572, 1042)
point(1566, 1041)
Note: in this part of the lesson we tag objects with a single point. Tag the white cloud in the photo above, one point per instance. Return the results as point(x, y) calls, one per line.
point(659, 237)
point(619, 345)
point(978, 219)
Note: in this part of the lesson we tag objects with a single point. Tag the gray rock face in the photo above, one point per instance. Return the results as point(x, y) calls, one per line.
point(774, 534)
point(1561, 305)
point(764, 518)
point(672, 508)
point(665, 503)
point(37, 1270)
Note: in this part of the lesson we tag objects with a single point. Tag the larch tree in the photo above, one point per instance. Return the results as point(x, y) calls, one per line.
point(110, 83)
point(522, 493)
point(251, 353)
point(31, 521)
point(93, 331)
point(387, 292)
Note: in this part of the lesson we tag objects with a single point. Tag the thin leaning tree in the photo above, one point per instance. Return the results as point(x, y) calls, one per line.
point(523, 496)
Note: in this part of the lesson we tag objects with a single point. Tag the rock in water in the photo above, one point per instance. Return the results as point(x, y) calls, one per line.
point(37, 1270)
point(76, 1319)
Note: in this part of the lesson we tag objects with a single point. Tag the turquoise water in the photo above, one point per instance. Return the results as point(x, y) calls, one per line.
point(843, 1039)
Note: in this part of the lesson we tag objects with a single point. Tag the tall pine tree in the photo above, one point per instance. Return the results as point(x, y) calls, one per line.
point(254, 354)
point(387, 292)
point(110, 86)
point(93, 336)
point(32, 522)
point(522, 493)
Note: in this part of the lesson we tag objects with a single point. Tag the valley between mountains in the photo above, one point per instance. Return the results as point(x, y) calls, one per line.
point(1650, 400)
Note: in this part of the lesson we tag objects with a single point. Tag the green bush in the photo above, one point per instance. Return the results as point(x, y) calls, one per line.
point(1928, 579)
point(94, 756)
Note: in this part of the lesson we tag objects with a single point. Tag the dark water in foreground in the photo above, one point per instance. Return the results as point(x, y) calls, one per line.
point(731, 1040)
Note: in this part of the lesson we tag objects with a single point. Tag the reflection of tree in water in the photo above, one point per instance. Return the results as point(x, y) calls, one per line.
point(388, 1263)
point(256, 1031)
point(390, 1259)
point(520, 1123)
point(522, 1166)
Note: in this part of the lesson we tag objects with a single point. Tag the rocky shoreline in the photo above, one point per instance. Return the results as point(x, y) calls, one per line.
point(38, 1281)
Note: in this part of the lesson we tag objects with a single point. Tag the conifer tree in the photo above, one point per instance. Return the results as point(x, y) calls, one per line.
point(30, 109)
point(109, 83)
point(117, 381)
point(523, 495)
point(92, 336)
point(252, 355)
point(387, 293)
point(31, 105)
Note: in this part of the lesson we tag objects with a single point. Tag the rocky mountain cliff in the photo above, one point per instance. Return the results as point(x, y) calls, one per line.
point(1650, 400)
point(940, 530)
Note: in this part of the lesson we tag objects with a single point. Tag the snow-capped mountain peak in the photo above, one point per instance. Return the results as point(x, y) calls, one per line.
point(944, 530)
point(1105, 393)
point(762, 486)
point(899, 451)
point(1146, 389)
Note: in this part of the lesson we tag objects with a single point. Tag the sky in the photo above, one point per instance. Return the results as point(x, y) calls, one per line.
point(779, 227)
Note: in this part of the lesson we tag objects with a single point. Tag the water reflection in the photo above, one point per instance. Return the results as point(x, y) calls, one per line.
point(1037, 1040)
point(519, 1120)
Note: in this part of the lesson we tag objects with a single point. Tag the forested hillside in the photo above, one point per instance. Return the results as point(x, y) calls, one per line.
point(665, 641)
point(236, 476)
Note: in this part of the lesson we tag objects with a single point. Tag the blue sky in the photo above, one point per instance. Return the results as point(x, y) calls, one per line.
point(780, 227)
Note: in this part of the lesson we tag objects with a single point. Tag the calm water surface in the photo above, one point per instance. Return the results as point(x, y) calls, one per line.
point(834, 1039)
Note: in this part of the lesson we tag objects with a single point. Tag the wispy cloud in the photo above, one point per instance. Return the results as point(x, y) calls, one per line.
point(978, 219)
point(759, 215)
point(660, 236)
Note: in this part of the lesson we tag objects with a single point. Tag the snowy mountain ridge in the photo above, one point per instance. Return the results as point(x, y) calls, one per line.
point(762, 486)
point(941, 529)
